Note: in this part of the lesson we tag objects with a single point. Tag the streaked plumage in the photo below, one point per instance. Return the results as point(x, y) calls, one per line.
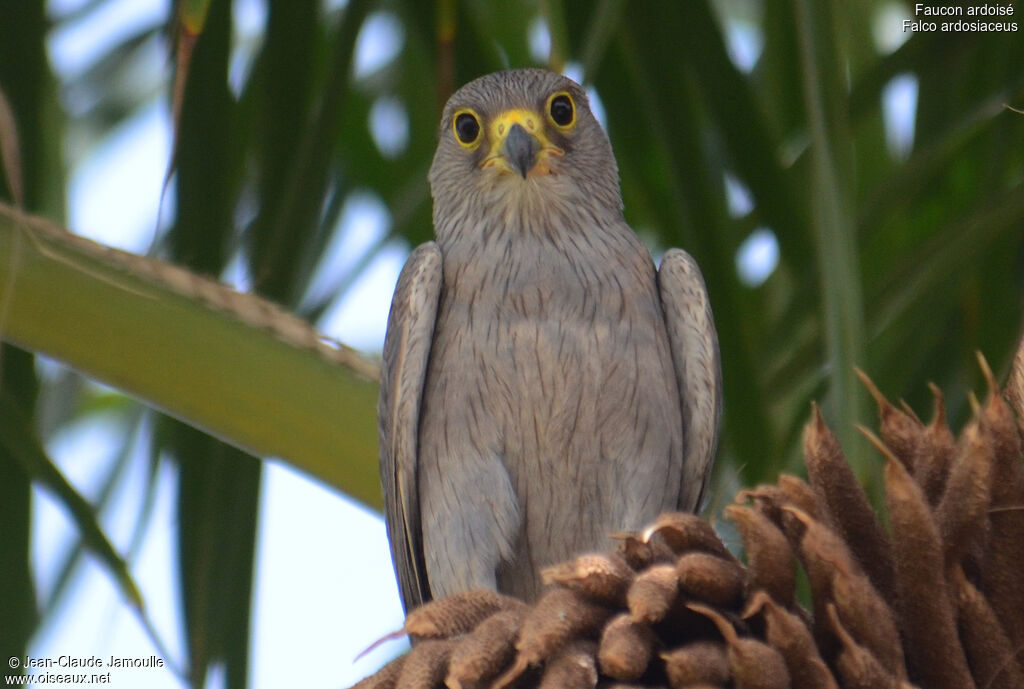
point(542, 385)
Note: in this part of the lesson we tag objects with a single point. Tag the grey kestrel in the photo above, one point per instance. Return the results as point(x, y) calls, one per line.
point(543, 386)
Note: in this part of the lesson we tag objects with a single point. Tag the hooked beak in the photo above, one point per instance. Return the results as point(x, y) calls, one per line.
point(520, 148)
point(520, 145)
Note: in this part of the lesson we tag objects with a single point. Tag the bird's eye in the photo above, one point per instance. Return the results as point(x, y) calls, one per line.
point(467, 128)
point(561, 110)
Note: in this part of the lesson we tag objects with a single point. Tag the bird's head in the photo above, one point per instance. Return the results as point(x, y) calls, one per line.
point(517, 143)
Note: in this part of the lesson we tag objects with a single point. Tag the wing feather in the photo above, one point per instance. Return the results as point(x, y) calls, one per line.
point(694, 343)
point(406, 353)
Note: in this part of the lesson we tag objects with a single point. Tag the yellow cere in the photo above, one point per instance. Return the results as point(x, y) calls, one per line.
point(501, 125)
point(532, 122)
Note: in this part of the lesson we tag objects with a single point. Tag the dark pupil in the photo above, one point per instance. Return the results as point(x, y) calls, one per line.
point(561, 110)
point(467, 128)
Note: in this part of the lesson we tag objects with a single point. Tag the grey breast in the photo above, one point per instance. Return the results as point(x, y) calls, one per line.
point(551, 364)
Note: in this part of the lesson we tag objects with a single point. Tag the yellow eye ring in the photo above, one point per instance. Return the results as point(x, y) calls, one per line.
point(466, 128)
point(561, 110)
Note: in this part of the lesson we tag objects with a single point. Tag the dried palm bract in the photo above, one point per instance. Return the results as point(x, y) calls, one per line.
point(752, 663)
point(1015, 386)
point(701, 662)
point(901, 431)
point(771, 563)
point(1004, 561)
point(831, 476)
point(822, 551)
point(683, 532)
point(558, 617)
point(626, 648)
point(452, 615)
point(711, 579)
point(485, 651)
point(425, 665)
point(857, 667)
point(788, 491)
point(599, 576)
point(934, 656)
point(936, 452)
point(869, 620)
point(962, 512)
point(653, 593)
point(788, 634)
point(992, 657)
point(573, 667)
point(1006, 441)
point(640, 554)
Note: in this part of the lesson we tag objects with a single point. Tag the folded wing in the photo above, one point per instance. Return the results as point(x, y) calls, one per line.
point(406, 353)
point(694, 343)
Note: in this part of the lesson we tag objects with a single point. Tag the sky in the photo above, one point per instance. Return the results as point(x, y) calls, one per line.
point(316, 607)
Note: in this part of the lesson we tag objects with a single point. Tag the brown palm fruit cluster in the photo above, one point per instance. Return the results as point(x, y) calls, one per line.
point(935, 601)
